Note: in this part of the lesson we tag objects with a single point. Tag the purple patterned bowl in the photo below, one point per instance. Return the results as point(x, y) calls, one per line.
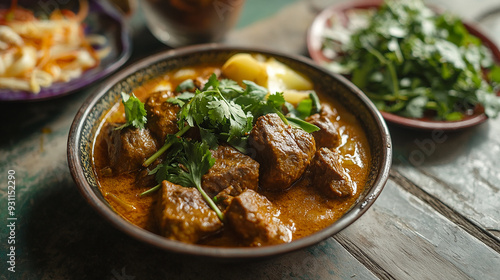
point(102, 19)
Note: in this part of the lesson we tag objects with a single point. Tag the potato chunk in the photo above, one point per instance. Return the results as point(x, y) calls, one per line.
point(243, 66)
point(270, 73)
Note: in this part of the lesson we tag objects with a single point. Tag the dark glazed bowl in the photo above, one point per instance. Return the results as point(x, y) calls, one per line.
point(86, 124)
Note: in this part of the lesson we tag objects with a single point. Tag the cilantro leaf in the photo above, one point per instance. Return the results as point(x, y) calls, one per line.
point(135, 114)
point(185, 165)
point(196, 159)
point(405, 49)
point(491, 103)
point(212, 82)
point(255, 91)
point(415, 108)
point(223, 111)
point(181, 98)
point(299, 123)
point(230, 89)
point(186, 86)
point(494, 74)
point(216, 116)
point(306, 107)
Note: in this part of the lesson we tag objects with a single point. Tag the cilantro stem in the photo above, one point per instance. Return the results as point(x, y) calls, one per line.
point(165, 147)
point(151, 190)
point(386, 97)
point(299, 123)
point(390, 66)
point(282, 117)
point(316, 105)
point(122, 126)
point(210, 202)
point(394, 77)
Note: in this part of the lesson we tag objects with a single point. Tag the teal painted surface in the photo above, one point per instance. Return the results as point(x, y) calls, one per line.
point(255, 10)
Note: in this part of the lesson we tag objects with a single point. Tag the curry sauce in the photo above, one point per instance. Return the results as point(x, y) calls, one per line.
point(302, 208)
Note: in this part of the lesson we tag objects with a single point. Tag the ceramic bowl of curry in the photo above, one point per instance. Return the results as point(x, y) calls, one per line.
point(311, 155)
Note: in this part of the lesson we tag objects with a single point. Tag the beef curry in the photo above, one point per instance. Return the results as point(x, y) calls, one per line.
point(298, 164)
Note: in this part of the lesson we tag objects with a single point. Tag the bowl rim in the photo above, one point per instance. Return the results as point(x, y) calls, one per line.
point(314, 50)
point(77, 172)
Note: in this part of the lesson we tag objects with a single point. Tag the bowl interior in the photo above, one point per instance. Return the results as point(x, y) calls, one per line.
point(87, 120)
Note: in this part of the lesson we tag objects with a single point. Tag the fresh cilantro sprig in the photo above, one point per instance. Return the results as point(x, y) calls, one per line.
point(185, 165)
point(256, 100)
point(208, 109)
point(135, 114)
point(224, 111)
point(411, 61)
point(218, 117)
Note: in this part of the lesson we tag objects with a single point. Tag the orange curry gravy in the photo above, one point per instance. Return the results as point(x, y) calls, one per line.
point(303, 209)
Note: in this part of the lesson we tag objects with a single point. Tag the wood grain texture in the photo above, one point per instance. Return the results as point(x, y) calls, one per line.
point(460, 169)
point(407, 239)
point(437, 218)
point(481, 234)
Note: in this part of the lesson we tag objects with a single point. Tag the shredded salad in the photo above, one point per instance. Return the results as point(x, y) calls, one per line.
point(37, 52)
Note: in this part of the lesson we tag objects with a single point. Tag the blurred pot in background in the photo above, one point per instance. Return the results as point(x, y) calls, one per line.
point(185, 22)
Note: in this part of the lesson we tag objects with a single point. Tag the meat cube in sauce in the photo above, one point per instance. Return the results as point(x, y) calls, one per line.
point(143, 178)
point(200, 81)
point(283, 152)
point(162, 115)
point(327, 175)
point(328, 111)
point(129, 147)
point(231, 168)
point(327, 135)
point(253, 217)
point(224, 197)
point(183, 215)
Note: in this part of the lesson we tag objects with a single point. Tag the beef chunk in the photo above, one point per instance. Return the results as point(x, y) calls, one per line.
point(327, 174)
point(162, 115)
point(144, 180)
point(254, 218)
point(231, 168)
point(329, 112)
point(327, 135)
point(183, 215)
point(224, 197)
point(200, 81)
point(129, 147)
point(282, 151)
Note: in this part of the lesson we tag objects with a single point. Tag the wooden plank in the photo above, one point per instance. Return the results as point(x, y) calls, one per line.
point(327, 260)
point(410, 240)
point(460, 169)
point(445, 210)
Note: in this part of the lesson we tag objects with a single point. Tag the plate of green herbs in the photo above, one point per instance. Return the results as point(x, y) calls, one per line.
point(422, 68)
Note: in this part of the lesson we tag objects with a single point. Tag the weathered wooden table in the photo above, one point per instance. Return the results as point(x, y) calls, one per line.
point(437, 218)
